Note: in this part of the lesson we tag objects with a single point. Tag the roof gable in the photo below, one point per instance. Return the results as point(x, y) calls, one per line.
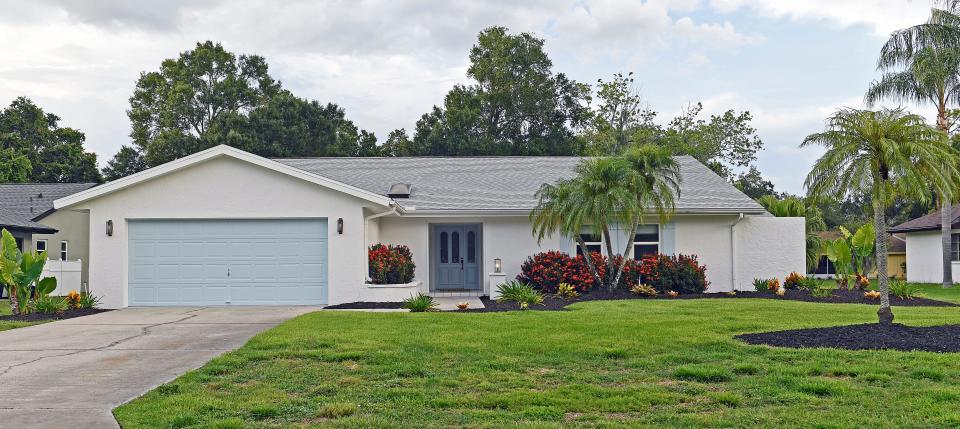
point(215, 152)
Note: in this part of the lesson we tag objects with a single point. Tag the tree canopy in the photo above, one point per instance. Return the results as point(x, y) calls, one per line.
point(35, 148)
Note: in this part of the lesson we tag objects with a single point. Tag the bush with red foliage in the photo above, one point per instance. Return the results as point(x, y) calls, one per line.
point(680, 273)
point(546, 270)
point(390, 264)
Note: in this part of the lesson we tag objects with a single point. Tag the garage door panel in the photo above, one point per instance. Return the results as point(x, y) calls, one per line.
point(186, 262)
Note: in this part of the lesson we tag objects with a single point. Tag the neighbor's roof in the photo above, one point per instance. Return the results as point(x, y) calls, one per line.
point(23, 204)
point(930, 222)
point(504, 183)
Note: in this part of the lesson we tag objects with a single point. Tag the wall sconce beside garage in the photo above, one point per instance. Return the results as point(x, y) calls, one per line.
point(110, 228)
point(340, 226)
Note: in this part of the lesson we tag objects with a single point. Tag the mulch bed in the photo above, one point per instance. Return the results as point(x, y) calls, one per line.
point(553, 303)
point(944, 338)
point(39, 317)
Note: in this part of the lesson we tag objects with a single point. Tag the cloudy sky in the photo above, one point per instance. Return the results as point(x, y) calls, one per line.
point(790, 62)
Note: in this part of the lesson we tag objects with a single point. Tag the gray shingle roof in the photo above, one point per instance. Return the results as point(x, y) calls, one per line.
point(503, 183)
point(930, 222)
point(22, 204)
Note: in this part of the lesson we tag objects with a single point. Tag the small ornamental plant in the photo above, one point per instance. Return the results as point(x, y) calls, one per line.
point(773, 284)
point(793, 280)
point(673, 293)
point(643, 289)
point(73, 299)
point(872, 294)
point(390, 264)
point(567, 291)
point(781, 292)
point(463, 305)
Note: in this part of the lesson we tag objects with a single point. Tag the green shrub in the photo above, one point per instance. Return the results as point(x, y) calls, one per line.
point(792, 281)
point(49, 304)
point(679, 273)
point(821, 292)
point(808, 283)
point(336, 410)
point(420, 303)
point(904, 290)
point(88, 300)
point(520, 293)
point(760, 285)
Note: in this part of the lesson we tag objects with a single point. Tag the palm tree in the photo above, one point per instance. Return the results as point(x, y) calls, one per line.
point(921, 64)
point(795, 207)
point(605, 192)
point(597, 197)
point(884, 154)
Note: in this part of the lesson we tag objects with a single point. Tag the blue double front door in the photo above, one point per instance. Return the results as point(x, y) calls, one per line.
point(456, 257)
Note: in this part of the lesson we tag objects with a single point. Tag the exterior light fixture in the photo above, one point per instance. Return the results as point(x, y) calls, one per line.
point(497, 265)
point(340, 226)
point(109, 228)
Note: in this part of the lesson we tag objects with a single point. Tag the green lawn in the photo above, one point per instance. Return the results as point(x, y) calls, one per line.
point(602, 364)
point(5, 310)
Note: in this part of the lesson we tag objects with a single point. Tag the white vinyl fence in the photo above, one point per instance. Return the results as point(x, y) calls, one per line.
point(67, 274)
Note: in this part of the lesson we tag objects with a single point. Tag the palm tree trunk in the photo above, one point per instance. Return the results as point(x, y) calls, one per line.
point(626, 253)
point(885, 314)
point(607, 241)
point(946, 227)
point(589, 260)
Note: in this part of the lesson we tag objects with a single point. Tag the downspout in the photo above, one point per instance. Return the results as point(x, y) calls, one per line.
point(733, 253)
point(366, 223)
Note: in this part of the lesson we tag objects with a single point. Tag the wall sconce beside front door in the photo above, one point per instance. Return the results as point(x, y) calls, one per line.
point(110, 228)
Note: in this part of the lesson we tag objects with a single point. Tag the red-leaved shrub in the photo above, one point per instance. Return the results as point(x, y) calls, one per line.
point(681, 273)
point(546, 270)
point(390, 264)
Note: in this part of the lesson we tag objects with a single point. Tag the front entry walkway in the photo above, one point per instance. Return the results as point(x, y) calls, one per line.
point(72, 373)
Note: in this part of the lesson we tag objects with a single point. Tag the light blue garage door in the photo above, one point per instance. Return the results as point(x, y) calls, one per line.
point(228, 262)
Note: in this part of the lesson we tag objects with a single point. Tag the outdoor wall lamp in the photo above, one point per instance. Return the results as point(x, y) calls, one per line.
point(340, 226)
point(497, 265)
point(109, 228)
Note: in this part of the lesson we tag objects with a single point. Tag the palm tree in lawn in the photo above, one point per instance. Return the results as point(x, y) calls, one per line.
point(884, 153)
point(921, 64)
point(597, 197)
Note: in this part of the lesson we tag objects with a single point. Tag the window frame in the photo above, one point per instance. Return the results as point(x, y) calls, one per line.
point(954, 247)
point(589, 243)
point(647, 243)
point(36, 245)
point(64, 250)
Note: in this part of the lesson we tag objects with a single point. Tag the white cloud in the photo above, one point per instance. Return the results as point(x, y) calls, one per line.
point(883, 16)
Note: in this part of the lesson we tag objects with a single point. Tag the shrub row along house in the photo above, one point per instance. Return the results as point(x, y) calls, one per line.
point(226, 227)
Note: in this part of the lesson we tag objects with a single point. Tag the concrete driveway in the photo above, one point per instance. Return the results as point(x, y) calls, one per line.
point(72, 373)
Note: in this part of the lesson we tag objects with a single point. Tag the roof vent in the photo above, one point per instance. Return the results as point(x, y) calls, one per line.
point(399, 190)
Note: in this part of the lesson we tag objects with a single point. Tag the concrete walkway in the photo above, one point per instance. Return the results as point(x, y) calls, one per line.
point(72, 373)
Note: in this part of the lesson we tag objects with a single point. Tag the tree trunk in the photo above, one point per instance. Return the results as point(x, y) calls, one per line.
point(885, 314)
point(946, 227)
point(626, 253)
point(608, 243)
point(586, 257)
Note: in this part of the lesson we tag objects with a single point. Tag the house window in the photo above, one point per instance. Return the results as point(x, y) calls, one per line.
point(593, 242)
point(646, 241)
point(41, 245)
point(825, 266)
point(955, 247)
point(64, 250)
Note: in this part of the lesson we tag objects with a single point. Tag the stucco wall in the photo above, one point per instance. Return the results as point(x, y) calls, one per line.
point(925, 258)
point(508, 238)
point(769, 247)
point(708, 237)
point(223, 188)
point(73, 226)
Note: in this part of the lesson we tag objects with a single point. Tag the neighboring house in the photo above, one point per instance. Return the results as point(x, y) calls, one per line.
point(896, 257)
point(226, 227)
point(26, 210)
point(924, 252)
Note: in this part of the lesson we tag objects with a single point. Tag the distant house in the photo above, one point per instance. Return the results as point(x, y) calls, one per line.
point(896, 257)
point(26, 210)
point(227, 227)
point(924, 252)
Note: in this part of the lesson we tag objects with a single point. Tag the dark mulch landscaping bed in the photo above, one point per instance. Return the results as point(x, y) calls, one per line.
point(365, 306)
point(37, 317)
point(552, 302)
point(874, 336)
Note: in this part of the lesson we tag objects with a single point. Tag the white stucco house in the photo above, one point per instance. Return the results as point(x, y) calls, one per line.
point(226, 227)
point(924, 251)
